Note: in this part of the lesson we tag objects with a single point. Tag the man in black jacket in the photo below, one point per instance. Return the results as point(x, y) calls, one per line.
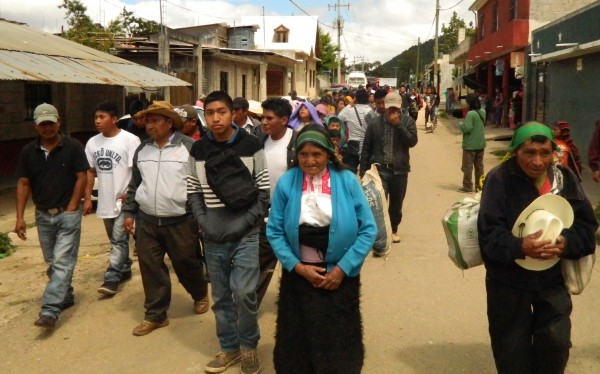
point(529, 311)
point(387, 143)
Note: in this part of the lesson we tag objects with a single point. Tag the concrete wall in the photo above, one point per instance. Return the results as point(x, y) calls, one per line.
point(542, 12)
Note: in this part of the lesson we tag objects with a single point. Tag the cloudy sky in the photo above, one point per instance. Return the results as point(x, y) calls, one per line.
point(374, 29)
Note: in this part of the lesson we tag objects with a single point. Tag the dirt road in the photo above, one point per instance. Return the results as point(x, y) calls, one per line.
point(421, 314)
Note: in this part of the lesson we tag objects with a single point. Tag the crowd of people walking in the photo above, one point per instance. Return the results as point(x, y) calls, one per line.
point(235, 197)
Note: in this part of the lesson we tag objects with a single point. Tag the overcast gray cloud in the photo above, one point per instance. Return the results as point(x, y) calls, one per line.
point(376, 30)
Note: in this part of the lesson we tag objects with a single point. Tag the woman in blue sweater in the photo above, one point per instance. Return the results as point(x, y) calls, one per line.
point(321, 228)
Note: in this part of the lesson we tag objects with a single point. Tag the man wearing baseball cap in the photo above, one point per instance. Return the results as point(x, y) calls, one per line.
point(157, 196)
point(191, 123)
point(52, 168)
point(387, 143)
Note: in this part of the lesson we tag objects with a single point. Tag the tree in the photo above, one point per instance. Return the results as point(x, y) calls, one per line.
point(135, 26)
point(449, 38)
point(82, 29)
point(328, 55)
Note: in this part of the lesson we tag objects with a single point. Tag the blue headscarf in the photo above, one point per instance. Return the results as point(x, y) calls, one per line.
point(295, 120)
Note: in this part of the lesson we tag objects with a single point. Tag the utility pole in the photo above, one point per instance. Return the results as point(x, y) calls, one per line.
point(163, 52)
point(436, 81)
point(339, 26)
point(418, 58)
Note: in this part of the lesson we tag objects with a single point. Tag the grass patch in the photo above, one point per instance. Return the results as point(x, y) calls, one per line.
point(6, 246)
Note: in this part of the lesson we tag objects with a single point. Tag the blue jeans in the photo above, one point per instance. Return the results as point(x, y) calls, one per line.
point(59, 238)
point(234, 270)
point(119, 261)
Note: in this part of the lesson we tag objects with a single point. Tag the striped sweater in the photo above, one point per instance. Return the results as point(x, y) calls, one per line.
point(217, 222)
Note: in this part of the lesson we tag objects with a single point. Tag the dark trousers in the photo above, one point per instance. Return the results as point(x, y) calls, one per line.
point(180, 242)
point(267, 261)
point(318, 331)
point(530, 330)
point(470, 160)
point(394, 186)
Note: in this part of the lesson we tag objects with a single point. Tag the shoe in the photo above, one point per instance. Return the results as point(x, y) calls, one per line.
point(146, 327)
point(201, 306)
point(125, 276)
point(250, 362)
point(109, 288)
point(45, 322)
point(465, 190)
point(223, 361)
point(380, 254)
point(395, 238)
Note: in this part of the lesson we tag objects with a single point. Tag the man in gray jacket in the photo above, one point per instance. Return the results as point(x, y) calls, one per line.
point(387, 143)
point(157, 194)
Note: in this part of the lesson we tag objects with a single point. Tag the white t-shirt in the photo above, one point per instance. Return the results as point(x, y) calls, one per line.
point(113, 160)
point(276, 155)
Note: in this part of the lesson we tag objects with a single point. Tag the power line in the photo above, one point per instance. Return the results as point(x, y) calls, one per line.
point(316, 19)
point(453, 6)
point(431, 28)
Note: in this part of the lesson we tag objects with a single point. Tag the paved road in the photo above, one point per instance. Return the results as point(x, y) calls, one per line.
point(421, 314)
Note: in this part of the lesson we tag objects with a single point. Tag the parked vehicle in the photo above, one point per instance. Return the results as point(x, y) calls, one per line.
point(357, 78)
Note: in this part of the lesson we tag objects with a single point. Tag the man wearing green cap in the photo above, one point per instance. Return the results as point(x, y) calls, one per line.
point(529, 311)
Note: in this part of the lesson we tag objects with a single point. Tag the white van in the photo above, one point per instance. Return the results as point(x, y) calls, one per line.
point(357, 78)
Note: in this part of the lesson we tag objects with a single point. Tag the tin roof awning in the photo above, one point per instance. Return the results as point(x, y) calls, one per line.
point(17, 65)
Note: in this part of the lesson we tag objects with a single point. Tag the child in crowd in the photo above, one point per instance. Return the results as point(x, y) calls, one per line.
point(566, 152)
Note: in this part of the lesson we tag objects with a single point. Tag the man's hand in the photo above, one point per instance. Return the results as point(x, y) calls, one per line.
point(87, 206)
point(129, 225)
point(596, 176)
point(392, 116)
point(21, 229)
point(541, 249)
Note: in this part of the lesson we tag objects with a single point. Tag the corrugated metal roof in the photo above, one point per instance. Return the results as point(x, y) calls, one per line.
point(32, 55)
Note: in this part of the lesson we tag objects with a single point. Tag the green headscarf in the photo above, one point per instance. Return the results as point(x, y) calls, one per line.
point(316, 137)
point(527, 131)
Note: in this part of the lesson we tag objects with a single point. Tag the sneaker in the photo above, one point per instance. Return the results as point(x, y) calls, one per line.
point(395, 238)
point(223, 361)
point(109, 288)
point(465, 190)
point(146, 327)
point(250, 362)
point(125, 276)
point(201, 306)
point(45, 322)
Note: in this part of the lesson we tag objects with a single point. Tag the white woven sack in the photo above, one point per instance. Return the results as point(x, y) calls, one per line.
point(375, 194)
point(577, 273)
point(460, 227)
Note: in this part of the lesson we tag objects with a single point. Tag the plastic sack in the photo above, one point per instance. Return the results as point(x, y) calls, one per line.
point(460, 227)
point(373, 189)
point(577, 273)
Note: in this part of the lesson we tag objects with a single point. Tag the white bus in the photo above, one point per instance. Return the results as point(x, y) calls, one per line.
point(357, 78)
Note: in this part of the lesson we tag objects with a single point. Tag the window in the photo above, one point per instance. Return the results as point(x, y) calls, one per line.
point(481, 25)
point(36, 94)
point(281, 34)
point(244, 42)
point(224, 81)
point(513, 10)
point(495, 20)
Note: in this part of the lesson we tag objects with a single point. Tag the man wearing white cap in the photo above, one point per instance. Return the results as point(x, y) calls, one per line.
point(528, 304)
point(53, 169)
point(387, 143)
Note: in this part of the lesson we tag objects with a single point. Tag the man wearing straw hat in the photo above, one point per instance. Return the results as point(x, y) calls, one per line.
point(157, 195)
point(528, 304)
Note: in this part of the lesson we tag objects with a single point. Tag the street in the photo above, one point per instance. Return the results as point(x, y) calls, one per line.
point(421, 314)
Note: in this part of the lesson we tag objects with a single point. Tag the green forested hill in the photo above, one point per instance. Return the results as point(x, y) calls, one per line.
point(406, 62)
